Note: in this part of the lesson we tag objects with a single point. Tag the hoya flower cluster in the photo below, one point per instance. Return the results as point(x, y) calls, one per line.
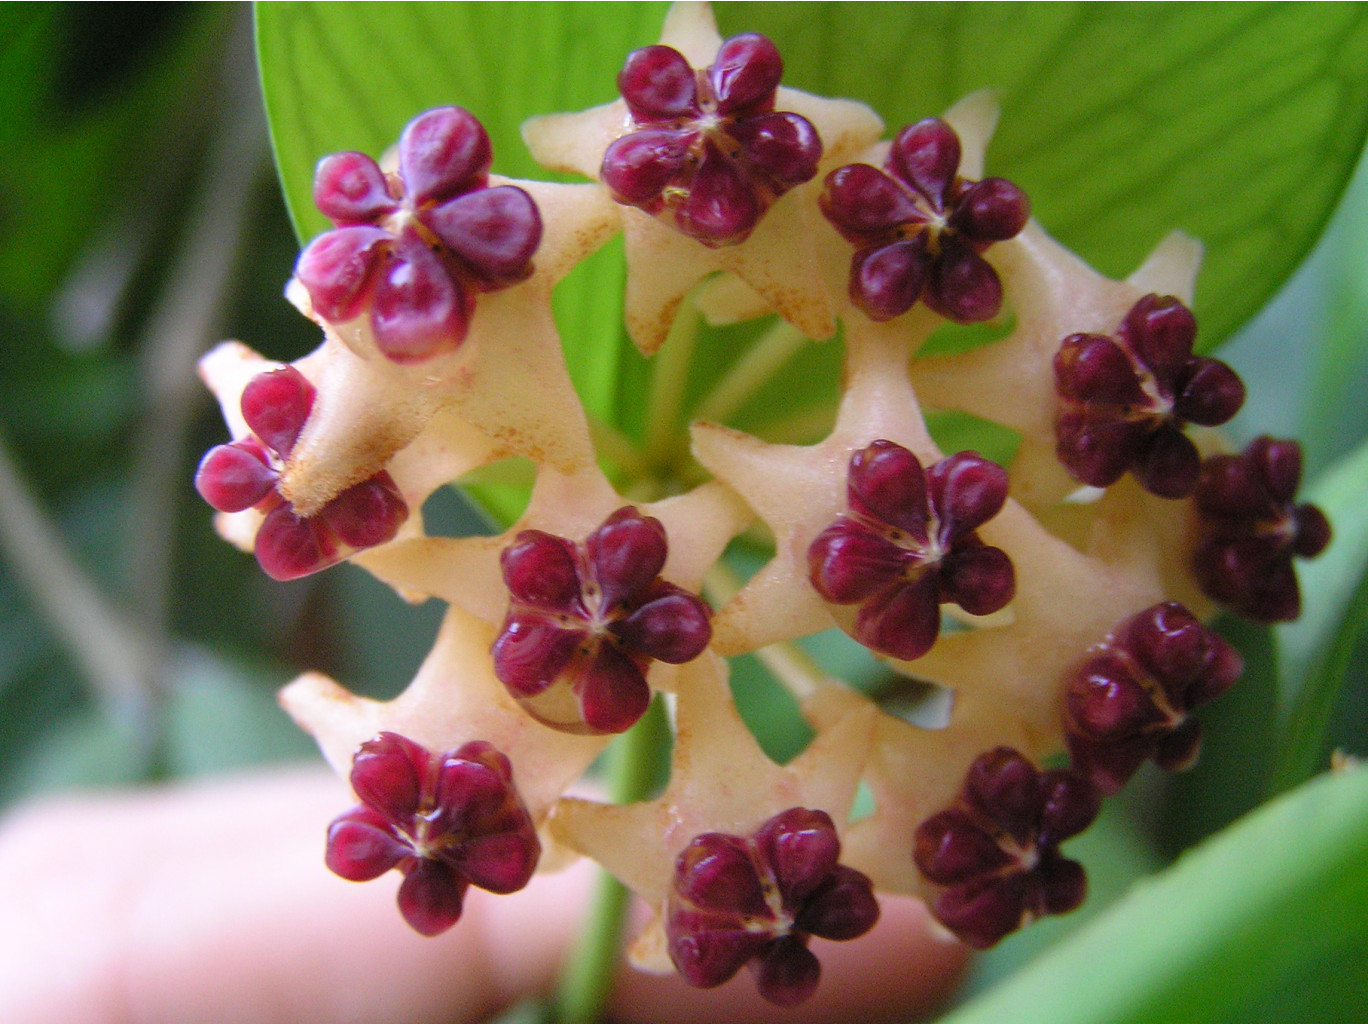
point(1060, 599)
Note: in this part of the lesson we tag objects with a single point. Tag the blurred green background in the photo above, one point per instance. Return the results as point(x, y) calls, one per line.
point(140, 222)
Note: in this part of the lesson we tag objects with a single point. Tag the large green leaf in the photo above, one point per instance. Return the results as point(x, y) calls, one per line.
point(1271, 914)
point(1237, 123)
point(340, 76)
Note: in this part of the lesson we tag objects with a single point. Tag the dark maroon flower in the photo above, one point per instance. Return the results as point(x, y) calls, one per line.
point(1132, 698)
point(446, 821)
point(919, 228)
point(586, 620)
point(1125, 399)
point(412, 249)
point(244, 474)
point(908, 543)
point(1250, 528)
point(708, 149)
point(995, 851)
point(758, 899)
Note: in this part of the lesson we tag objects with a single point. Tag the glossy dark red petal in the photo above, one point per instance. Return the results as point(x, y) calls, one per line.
point(349, 188)
point(276, 405)
point(418, 310)
point(338, 270)
point(493, 231)
point(288, 547)
point(926, 155)
point(886, 482)
point(431, 896)
point(903, 621)
point(234, 477)
point(362, 846)
point(442, 153)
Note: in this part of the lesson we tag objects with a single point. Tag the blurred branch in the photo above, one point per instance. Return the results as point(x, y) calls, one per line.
point(185, 321)
point(115, 657)
point(122, 654)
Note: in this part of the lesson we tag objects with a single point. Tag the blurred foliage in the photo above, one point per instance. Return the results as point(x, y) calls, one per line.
point(109, 138)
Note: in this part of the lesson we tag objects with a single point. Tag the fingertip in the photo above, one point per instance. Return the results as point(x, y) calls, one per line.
point(903, 969)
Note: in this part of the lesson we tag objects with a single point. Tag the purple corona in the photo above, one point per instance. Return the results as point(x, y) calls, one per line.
point(707, 150)
point(412, 250)
point(446, 821)
point(919, 229)
point(585, 621)
point(907, 544)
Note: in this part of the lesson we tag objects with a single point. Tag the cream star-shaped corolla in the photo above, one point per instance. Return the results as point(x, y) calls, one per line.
point(913, 772)
point(720, 781)
point(466, 571)
point(454, 699)
point(447, 447)
point(798, 491)
point(507, 380)
point(778, 260)
point(727, 299)
point(1053, 294)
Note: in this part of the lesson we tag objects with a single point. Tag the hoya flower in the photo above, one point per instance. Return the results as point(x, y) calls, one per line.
point(412, 250)
point(756, 900)
point(906, 544)
point(1132, 698)
point(995, 853)
point(918, 227)
point(739, 858)
point(1125, 399)
point(708, 150)
point(446, 821)
point(709, 154)
point(1251, 527)
point(586, 620)
point(245, 474)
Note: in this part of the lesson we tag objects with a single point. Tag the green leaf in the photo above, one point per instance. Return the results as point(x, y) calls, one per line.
point(1314, 651)
point(341, 76)
point(1278, 900)
point(1237, 123)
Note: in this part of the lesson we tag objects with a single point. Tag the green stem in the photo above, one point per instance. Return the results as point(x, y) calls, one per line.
point(636, 766)
point(619, 449)
point(751, 372)
point(670, 377)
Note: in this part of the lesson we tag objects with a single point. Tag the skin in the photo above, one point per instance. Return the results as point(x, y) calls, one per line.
point(209, 902)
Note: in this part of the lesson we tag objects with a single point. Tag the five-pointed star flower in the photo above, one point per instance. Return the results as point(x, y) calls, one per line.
point(1011, 381)
point(454, 699)
point(466, 571)
point(507, 380)
point(778, 260)
point(798, 491)
point(720, 781)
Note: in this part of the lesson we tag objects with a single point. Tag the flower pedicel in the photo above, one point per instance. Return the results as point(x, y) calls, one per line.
point(433, 293)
